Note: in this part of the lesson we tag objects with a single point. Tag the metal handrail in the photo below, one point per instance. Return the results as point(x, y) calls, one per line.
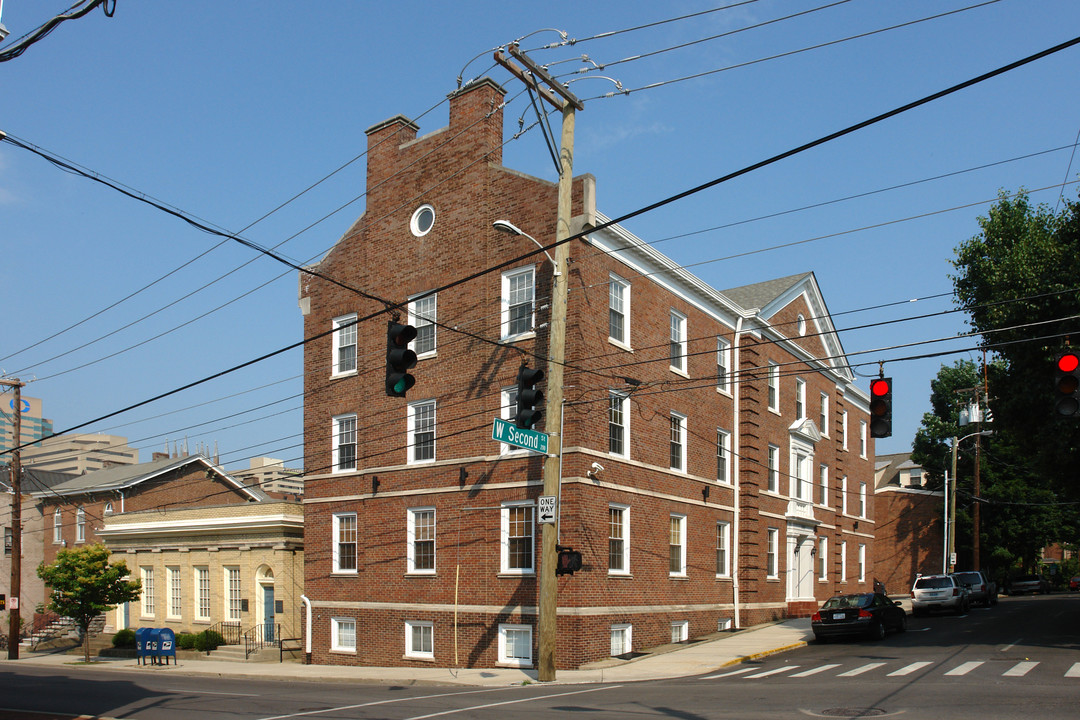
point(256, 638)
point(230, 631)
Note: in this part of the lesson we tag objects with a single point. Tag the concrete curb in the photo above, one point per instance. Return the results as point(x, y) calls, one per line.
point(765, 653)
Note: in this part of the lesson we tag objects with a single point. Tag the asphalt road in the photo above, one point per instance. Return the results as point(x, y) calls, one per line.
point(1018, 659)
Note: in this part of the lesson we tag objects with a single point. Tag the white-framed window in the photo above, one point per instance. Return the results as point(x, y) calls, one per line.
point(723, 549)
point(800, 324)
point(862, 438)
point(862, 562)
point(723, 365)
point(677, 342)
point(772, 549)
point(677, 443)
point(80, 525)
point(422, 220)
point(823, 558)
point(619, 311)
point(518, 302)
point(843, 496)
point(618, 539)
point(774, 469)
point(862, 499)
point(823, 416)
point(843, 429)
point(774, 386)
point(515, 645)
point(421, 432)
point(202, 593)
point(344, 530)
point(723, 456)
point(680, 631)
point(233, 593)
point(344, 340)
point(677, 545)
point(619, 423)
point(800, 399)
point(176, 597)
point(108, 508)
point(843, 561)
point(421, 540)
point(343, 444)
point(801, 483)
point(57, 526)
point(508, 410)
point(420, 639)
point(342, 634)
point(622, 639)
point(422, 316)
point(823, 485)
point(518, 545)
point(147, 576)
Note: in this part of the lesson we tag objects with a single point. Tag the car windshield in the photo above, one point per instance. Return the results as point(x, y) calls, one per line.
point(933, 583)
point(841, 602)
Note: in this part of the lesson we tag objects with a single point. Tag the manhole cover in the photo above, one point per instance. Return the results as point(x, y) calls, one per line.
point(853, 712)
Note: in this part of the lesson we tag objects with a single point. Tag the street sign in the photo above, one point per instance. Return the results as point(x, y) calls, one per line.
point(545, 509)
point(509, 433)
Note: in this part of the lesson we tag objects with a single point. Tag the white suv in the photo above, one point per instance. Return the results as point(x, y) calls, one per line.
point(939, 592)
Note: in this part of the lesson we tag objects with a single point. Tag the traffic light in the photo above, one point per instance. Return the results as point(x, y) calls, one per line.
point(399, 358)
point(569, 560)
point(528, 397)
point(1067, 384)
point(881, 407)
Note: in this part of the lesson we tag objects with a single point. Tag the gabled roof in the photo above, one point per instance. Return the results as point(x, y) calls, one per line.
point(33, 479)
point(122, 477)
point(762, 294)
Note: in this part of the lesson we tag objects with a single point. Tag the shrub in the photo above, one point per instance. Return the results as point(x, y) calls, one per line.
point(208, 640)
point(185, 641)
point(124, 638)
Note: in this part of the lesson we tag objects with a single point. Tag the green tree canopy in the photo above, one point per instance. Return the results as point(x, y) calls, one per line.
point(85, 584)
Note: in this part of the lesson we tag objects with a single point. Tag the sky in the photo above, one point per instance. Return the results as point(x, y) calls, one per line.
point(250, 117)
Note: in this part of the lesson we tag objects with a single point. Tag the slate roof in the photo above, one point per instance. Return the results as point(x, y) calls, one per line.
point(759, 295)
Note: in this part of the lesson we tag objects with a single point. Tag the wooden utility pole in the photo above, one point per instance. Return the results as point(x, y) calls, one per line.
point(16, 523)
point(563, 100)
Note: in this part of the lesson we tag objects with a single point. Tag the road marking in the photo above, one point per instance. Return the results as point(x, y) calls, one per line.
point(908, 669)
point(1074, 671)
point(1019, 669)
point(1010, 646)
point(860, 670)
point(508, 702)
point(305, 713)
point(728, 674)
point(965, 668)
point(774, 671)
point(815, 671)
point(205, 692)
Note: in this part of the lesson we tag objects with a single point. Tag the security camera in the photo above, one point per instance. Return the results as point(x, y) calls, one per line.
point(594, 470)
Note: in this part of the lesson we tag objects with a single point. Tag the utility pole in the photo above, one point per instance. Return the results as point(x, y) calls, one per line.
point(16, 523)
point(562, 99)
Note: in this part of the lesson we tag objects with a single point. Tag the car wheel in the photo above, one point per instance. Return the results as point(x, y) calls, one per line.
point(902, 625)
point(876, 631)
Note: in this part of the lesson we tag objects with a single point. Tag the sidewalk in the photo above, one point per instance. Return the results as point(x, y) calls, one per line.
point(702, 656)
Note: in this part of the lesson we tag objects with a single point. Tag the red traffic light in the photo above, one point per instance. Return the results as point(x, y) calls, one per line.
point(1068, 362)
point(1067, 384)
point(880, 387)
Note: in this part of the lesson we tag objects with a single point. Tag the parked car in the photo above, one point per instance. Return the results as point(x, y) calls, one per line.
point(865, 614)
point(1074, 583)
point(1028, 584)
point(939, 592)
point(983, 591)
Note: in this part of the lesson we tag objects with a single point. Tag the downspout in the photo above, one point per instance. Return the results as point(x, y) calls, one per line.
point(737, 392)
point(307, 629)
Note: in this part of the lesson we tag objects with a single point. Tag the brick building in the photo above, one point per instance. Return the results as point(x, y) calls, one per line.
point(910, 531)
point(716, 465)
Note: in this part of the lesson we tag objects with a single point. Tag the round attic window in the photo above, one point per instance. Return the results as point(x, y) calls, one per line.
point(422, 220)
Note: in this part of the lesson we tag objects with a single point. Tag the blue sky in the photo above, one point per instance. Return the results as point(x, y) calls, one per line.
point(228, 110)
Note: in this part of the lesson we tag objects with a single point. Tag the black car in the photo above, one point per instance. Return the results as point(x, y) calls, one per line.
point(866, 614)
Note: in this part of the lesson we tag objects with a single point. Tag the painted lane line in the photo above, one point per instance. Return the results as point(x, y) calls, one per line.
point(1074, 671)
point(207, 692)
point(860, 670)
point(908, 669)
point(767, 673)
point(1019, 669)
point(1010, 646)
point(965, 668)
point(306, 713)
point(474, 708)
point(728, 674)
point(815, 671)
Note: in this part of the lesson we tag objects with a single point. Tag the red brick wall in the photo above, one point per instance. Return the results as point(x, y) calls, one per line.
point(910, 537)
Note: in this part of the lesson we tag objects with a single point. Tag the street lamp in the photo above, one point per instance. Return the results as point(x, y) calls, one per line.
point(505, 226)
point(952, 502)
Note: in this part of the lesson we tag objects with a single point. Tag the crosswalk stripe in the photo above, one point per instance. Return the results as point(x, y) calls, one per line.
point(774, 671)
point(1019, 669)
point(1074, 671)
point(908, 669)
point(860, 670)
point(740, 671)
point(965, 668)
point(815, 671)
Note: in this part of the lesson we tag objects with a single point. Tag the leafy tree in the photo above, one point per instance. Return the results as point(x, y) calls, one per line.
point(85, 584)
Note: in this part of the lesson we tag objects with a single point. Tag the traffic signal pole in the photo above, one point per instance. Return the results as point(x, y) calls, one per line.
point(16, 524)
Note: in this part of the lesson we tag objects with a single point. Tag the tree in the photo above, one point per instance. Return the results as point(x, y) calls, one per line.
point(85, 584)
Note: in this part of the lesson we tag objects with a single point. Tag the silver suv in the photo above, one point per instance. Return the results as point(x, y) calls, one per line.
point(939, 592)
point(983, 591)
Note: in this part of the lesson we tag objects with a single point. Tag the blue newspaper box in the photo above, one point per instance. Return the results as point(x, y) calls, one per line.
point(166, 646)
point(141, 636)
